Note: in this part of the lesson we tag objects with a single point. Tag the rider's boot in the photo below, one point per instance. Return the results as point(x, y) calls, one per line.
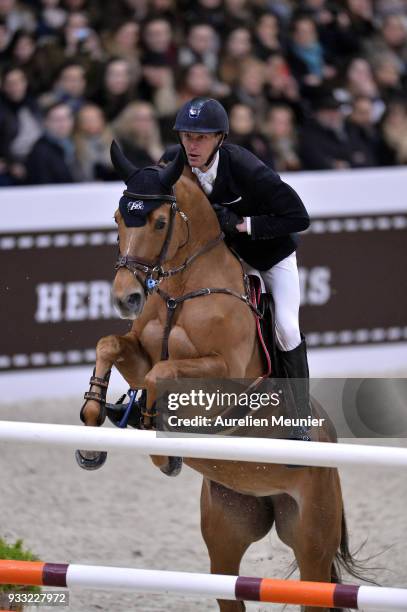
point(295, 368)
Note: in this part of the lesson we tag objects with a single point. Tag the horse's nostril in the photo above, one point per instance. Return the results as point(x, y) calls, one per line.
point(133, 300)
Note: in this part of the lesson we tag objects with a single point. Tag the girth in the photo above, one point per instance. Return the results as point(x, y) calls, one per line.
point(173, 303)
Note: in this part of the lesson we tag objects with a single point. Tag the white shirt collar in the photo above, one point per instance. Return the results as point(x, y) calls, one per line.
point(208, 178)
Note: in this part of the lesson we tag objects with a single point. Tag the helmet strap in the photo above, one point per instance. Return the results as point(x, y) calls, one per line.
point(216, 149)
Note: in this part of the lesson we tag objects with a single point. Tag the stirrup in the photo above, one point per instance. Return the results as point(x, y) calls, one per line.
point(99, 397)
point(123, 415)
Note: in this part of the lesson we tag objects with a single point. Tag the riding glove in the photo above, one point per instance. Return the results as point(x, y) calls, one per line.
point(227, 219)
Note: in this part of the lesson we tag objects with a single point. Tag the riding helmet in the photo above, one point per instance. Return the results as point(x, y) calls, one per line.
point(204, 115)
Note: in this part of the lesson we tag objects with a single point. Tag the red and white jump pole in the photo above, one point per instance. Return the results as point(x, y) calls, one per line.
point(318, 594)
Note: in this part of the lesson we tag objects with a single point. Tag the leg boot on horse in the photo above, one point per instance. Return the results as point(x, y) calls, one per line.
point(126, 354)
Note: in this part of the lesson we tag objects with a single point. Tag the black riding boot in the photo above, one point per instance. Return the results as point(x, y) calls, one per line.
point(295, 366)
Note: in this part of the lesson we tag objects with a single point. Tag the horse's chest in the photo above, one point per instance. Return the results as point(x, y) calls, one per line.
point(179, 344)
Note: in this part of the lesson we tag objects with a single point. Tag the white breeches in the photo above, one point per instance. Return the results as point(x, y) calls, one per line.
point(283, 282)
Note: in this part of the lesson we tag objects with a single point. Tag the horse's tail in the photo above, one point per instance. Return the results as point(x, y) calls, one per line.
point(346, 560)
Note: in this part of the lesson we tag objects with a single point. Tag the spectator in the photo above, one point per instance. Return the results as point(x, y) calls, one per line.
point(80, 39)
point(117, 89)
point(5, 39)
point(267, 36)
point(394, 33)
point(249, 88)
point(138, 132)
point(22, 47)
point(53, 158)
point(51, 18)
point(243, 132)
point(123, 43)
point(16, 16)
point(20, 124)
point(389, 7)
point(280, 130)
point(392, 38)
point(282, 8)
point(69, 87)
point(90, 7)
point(281, 86)
point(207, 11)
point(158, 87)
point(238, 47)
point(323, 141)
point(361, 18)
point(387, 70)
point(92, 141)
point(359, 81)
point(166, 9)
point(158, 44)
point(197, 81)
point(237, 14)
point(201, 47)
point(307, 57)
point(23, 53)
point(394, 130)
point(363, 134)
point(335, 30)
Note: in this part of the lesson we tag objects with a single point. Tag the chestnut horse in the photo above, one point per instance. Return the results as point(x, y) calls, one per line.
point(211, 336)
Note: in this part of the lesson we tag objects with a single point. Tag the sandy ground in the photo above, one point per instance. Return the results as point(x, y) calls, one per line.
point(129, 514)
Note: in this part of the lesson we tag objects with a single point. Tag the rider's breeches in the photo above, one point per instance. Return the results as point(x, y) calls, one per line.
point(283, 282)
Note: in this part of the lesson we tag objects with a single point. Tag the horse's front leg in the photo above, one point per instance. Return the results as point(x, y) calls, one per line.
point(126, 353)
point(213, 366)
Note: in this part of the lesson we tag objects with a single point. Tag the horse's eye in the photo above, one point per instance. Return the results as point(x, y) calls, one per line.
point(160, 224)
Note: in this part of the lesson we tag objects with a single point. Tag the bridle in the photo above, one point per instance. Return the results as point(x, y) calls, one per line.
point(154, 271)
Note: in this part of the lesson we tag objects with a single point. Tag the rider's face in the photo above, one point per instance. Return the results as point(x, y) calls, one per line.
point(198, 147)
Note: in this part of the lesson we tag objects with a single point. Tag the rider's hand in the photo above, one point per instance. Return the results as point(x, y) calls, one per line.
point(227, 219)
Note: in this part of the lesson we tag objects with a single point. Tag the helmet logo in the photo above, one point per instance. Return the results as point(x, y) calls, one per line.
point(194, 112)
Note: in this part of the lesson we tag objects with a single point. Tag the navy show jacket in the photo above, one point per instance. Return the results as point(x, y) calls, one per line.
point(251, 189)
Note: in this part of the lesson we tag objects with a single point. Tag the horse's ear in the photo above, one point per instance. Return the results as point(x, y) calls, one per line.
point(121, 164)
point(171, 173)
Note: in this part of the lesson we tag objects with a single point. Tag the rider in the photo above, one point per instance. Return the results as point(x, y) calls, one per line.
point(259, 215)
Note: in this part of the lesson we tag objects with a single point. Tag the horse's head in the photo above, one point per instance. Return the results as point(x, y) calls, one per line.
point(150, 230)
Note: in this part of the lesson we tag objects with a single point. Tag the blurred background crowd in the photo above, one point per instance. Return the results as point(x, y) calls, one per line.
point(308, 84)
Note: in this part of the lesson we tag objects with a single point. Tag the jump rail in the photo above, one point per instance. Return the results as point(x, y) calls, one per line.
point(317, 594)
point(259, 450)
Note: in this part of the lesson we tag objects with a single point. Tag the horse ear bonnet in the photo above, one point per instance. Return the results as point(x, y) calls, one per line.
point(149, 181)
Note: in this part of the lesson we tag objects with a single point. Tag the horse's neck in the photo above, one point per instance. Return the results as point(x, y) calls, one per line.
point(203, 224)
point(203, 229)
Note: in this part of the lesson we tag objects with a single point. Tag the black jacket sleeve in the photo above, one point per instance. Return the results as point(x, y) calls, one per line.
point(276, 209)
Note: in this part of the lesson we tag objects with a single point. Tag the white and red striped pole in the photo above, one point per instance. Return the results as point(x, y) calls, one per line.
point(318, 594)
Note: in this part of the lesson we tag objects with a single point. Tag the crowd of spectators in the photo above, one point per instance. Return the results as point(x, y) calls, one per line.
point(308, 84)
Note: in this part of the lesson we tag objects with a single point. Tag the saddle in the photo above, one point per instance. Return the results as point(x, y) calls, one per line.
point(127, 414)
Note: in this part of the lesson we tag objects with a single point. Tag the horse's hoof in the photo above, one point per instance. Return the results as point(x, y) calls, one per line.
point(173, 467)
point(90, 460)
